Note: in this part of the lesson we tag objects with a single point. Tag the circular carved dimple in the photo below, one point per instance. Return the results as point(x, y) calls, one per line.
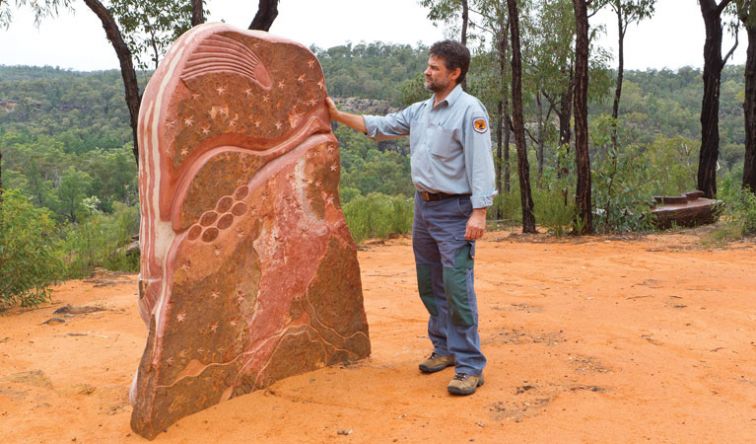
point(241, 192)
point(224, 204)
point(239, 209)
point(210, 234)
point(194, 232)
point(225, 221)
point(208, 218)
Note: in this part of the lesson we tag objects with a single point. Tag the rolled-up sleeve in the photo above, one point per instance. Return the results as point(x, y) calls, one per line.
point(479, 164)
point(391, 125)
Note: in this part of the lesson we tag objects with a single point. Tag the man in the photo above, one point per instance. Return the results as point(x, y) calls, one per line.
point(453, 172)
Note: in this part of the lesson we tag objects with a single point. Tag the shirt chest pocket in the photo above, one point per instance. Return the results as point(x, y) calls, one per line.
point(441, 142)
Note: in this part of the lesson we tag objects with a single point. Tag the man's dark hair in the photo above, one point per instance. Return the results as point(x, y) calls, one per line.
point(455, 55)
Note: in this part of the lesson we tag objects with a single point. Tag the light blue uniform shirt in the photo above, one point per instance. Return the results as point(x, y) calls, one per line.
point(450, 145)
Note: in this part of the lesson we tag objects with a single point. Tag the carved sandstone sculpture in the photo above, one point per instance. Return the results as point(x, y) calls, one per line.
point(249, 273)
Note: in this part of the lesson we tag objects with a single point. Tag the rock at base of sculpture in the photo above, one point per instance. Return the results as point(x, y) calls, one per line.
point(248, 271)
point(688, 210)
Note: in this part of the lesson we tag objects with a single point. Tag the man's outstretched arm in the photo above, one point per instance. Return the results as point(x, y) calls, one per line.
point(354, 121)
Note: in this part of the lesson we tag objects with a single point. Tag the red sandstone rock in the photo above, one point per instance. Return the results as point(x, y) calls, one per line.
point(249, 273)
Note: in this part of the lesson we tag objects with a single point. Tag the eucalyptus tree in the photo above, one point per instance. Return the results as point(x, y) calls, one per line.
point(626, 12)
point(523, 168)
point(553, 64)
point(198, 12)
point(447, 10)
point(584, 222)
point(550, 60)
point(267, 11)
point(747, 15)
point(712, 13)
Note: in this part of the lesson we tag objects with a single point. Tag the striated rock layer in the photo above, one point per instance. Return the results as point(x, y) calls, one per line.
point(249, 273)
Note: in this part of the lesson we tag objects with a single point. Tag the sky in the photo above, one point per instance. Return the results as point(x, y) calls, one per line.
point(673, 38)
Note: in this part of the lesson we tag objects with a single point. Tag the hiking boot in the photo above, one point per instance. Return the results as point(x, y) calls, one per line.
point(436, 362)
point(463, 384)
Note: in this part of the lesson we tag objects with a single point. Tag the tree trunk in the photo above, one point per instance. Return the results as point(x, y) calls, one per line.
point(504, 116)
point(198, 13)
point(523, 169)
point(507, 168)
point(463, 36)
point(465, 21)
point(713, 64)
point(620, 72)
point(749, 108)
point(584, 223)
point(539, 151)
point(499, 148)
point(130, 84)
point(267, 11)
point(565, 121)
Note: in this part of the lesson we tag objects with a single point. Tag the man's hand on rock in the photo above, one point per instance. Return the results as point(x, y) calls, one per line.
point(354, 121)
point(332, 110)
point(476, 225)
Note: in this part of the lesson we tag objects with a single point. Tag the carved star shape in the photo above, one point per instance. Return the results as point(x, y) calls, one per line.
point(184, 152)
point(301, 78)
point(224, 111)
point(334, 167)
point(233, 323)
point(195, 96)
point(318, 184)
point(311, 63)
point(331, 149)
point(312, 102)
point(180, 317)
point(257, 123)
point(188, 121)
point(279, 125)
point(215, 295)
point(206, 130)
point(185, 267)
point(321, 84)
point(266, 99)
point(240, 299)
point(281, 84)
point(329, 200)
point(220, 90)
point(214, 327)
point(248, 92)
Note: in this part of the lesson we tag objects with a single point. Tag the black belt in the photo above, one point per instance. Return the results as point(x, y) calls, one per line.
point(426, 196)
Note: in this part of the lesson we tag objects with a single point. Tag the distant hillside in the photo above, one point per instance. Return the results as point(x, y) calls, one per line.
point(86, 110)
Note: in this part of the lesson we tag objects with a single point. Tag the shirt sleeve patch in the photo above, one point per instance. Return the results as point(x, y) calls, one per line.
point(480, 125)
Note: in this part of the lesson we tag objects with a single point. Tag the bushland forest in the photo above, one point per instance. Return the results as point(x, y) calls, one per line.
point(581, 145)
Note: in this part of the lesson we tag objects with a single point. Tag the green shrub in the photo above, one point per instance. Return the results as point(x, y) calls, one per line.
point(745, 213)
point(100, 241)
point(507, 207)
point(378, 216)
point(552, 212)
point(28, 263)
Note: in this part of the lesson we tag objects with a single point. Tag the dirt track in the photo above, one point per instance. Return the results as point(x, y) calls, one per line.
point(597, 340)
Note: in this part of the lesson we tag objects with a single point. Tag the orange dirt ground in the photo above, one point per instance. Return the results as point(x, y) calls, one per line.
point(650, 339)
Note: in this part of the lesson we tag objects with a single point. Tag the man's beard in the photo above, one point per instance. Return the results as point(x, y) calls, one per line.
point(433, 86)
